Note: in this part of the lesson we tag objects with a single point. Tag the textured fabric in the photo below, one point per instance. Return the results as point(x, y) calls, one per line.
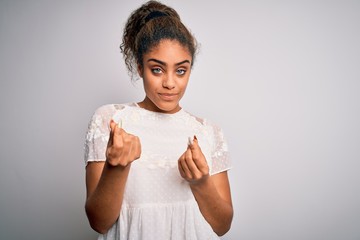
point(158, 203)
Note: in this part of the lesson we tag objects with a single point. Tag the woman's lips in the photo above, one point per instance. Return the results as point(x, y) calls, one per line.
point(168, 96)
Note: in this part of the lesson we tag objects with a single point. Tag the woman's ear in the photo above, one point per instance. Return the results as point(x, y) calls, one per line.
point(140, 70)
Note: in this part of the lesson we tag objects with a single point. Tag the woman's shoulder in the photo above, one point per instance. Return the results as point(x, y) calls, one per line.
point(104, 113)
point(203, 120)
point(110, 109)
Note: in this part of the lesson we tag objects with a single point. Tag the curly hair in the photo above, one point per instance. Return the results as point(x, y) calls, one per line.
point(146, 27)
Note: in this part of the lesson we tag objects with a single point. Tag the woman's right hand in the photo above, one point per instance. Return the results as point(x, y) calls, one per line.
point(123, 148)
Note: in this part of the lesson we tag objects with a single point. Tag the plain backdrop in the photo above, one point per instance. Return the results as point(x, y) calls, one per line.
point(282, 79)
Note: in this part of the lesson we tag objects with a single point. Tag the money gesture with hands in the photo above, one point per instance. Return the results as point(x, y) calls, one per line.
point(123, 148)
point(192, 164)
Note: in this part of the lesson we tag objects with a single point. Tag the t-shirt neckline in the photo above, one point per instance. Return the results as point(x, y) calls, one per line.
point(135, 104)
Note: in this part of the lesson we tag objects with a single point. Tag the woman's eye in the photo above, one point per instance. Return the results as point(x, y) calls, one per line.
point(156, 70)
point(181, 71)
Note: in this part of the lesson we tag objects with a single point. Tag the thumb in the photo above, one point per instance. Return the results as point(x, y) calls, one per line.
point(196, 152)
point(112, 126)
point(193, 143)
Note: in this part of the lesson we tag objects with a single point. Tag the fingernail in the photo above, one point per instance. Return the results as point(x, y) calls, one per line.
point(195, 138)
point(120, 123)
point(190, 141)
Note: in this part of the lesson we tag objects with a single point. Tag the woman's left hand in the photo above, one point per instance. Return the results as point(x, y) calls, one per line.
point(192, 164)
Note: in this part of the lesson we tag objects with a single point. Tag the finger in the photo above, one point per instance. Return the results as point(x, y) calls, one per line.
point(198, 156)
point(195, 149)
point(193, 143)
point(111, 134)
point(136, 148)
point(118, 136)
point(185, 168)
point(190, 141)
point(194, 170)
point(112, 124)
point(181, 170)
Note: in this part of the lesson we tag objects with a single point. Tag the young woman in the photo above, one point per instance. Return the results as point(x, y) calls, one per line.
point(153, 170)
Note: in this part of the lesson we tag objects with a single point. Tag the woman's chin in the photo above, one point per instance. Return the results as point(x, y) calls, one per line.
point(168, 107)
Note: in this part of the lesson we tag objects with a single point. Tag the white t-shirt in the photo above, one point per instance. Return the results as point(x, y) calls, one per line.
point(158, 202)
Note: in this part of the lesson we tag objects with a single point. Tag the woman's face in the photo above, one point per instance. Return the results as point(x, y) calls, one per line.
point(166, 71)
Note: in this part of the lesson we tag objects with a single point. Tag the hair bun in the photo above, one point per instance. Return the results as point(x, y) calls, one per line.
point(155, 14)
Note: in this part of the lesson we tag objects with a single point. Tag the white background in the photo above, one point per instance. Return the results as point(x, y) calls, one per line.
point(282, 78)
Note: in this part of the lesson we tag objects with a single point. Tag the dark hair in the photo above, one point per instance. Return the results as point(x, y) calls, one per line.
point(146, 27)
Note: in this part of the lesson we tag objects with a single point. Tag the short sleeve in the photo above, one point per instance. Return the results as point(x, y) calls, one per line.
point(97, 134)
point(220, 153)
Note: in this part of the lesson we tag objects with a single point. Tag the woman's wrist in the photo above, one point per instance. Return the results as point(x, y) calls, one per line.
point(201, 184)
point(109, 165)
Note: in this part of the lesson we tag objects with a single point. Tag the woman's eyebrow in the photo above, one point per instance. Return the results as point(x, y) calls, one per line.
point(157, 61)
point(185, 61)
point(164, 64)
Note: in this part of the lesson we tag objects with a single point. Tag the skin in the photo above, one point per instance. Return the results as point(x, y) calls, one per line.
point(105, 181)
point(165, 72)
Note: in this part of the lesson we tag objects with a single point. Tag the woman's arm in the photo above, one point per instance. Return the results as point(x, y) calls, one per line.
point(212, 193)
point(105, 189)
point(105, 181)
point(214, 199)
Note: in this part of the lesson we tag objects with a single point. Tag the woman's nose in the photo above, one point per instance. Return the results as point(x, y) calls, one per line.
point(169, 81)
